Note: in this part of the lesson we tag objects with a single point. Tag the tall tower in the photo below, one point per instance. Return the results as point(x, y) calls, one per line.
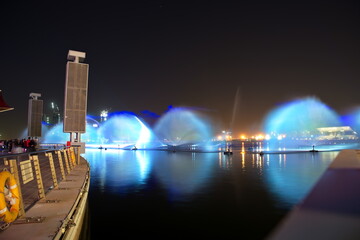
point(35, 112)
point(52, 114)
point(55, 113)
point(76, 89)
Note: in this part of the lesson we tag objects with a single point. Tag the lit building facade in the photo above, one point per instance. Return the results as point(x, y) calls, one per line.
point(52, 114)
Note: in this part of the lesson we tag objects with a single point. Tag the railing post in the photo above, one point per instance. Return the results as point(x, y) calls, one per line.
point(66, 161)
point(75, 155)
point(52, 167)
point(72, 156)
point(41, 191)
point(15, 172)
point(61, 165)
point(71, 161)
point(78, 155)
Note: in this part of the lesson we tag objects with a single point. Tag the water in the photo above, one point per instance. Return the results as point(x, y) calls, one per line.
point(182, 195)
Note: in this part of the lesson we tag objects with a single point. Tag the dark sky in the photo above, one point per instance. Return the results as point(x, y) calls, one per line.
point(146, 55)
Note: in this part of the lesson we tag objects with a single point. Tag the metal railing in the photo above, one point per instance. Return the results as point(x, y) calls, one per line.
point(36, 173)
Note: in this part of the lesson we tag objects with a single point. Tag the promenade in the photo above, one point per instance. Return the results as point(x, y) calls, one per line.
point(58, 215)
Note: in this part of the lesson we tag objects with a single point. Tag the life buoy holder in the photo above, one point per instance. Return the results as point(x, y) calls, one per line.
point(9, 197)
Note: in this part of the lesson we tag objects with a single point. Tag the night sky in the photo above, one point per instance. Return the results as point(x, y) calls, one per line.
point(147, 55)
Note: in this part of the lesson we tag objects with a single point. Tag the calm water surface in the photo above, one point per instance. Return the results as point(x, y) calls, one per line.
point(165, 195)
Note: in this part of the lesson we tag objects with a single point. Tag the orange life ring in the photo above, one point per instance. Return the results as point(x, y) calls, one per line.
point(9, 203)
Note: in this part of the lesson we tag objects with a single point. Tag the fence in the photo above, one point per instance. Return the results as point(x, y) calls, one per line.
point(38, 172)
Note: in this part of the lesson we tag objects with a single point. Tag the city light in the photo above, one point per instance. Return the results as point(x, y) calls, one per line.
point(103, 115)
point(259, 137)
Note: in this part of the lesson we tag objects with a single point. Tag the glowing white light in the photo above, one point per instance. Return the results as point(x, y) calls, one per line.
point(104, 113)
point(145, 134)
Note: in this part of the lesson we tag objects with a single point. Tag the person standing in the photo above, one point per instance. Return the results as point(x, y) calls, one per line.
point(32, 145)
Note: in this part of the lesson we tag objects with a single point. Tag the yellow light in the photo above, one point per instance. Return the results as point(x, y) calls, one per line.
point(243, 136)
point(219, 137)
point(260, 137)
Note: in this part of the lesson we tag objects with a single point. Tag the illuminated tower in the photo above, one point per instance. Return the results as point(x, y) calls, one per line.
point(52, 115)
point(76, 90)
point(55, 113)
point(35, 112)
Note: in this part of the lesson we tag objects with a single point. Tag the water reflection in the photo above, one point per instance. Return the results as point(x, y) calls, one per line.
point(287, 176)
point(291, 176)
point(117, 170)
point(225, 161)
point(181, 175)
point(186, 189)
point(144, 165)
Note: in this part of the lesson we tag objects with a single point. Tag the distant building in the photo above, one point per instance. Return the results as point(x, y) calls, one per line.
point(337, 133)
point(52, 114)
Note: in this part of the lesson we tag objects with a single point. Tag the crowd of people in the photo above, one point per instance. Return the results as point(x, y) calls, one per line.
point(18, 145)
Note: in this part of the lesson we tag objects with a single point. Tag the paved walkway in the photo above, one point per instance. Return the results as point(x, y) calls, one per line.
point(51, 211)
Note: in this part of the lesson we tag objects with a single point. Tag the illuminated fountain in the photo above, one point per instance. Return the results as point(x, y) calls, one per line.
point(352, 119)
point(304, 123)
point(121, 130)
point(179, 128)
point(54, 134)
point(125, 130)
point(182, 128)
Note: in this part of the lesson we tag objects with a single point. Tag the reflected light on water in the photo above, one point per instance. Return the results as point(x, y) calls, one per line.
point(288, 176)
point(143, 163)
point(291, 176)
point(117, 170)
point(242, 160)
point(162, 188)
